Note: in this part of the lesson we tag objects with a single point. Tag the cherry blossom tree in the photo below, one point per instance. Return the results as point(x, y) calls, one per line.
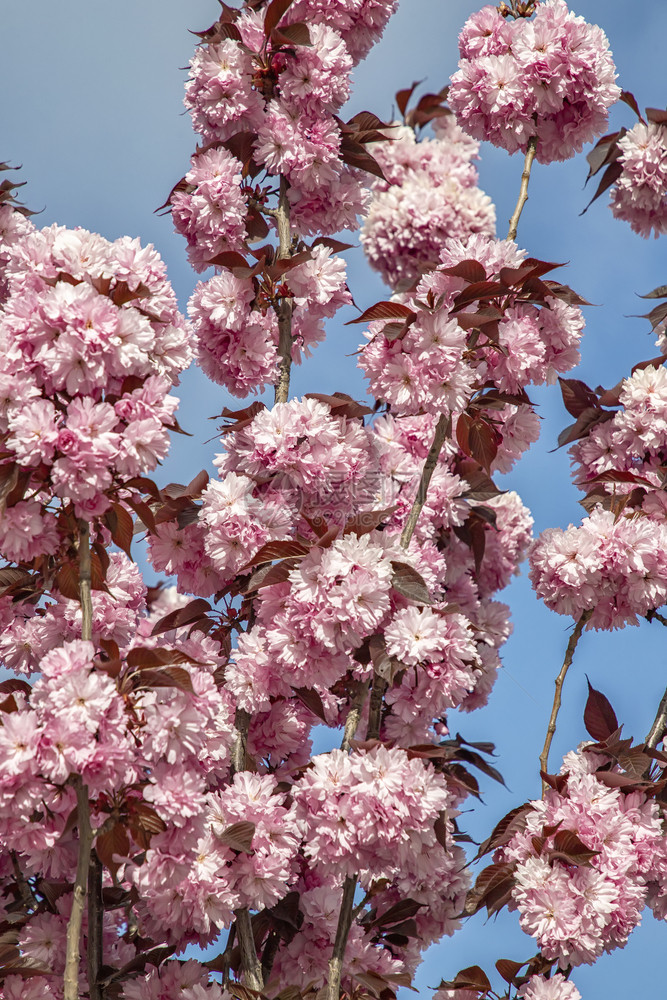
point(166, 826)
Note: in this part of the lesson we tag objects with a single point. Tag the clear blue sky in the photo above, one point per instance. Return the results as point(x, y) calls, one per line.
point(92, 108)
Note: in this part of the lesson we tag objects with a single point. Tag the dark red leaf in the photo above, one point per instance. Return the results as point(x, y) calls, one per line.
point(341, 404)
point(312, 700)
point(121, 526)
point(657, 116)
point(409, 583)
point(403, 96)
point(628, 98)
point(367, 521)
point(577, 396)
point(509, 969)
point(277, 550)
point(470, 270)
point(384, 310)
point(274, 12)
point(192, 612)
point(609, 177)
point(292, 34)
point(569, 848)
point(599, 717)
point(239, 836)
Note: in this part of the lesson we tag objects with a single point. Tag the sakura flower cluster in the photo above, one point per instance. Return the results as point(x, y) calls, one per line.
point(431, 365)
point(265, 104)
point(430, 194)
point(93, 342)
point(550, 77)
point(613, 564)
point(639, 195)
point(578, 911)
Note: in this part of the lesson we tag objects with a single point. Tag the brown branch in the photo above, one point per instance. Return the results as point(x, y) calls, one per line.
point(85, 581)
point(241, 724)
point(523, 190)
point(250, 964)
point(442, 429)
point(657, 730)
point(354, 715)
point(375, 707)
point(567, 663)
point(655, 616)
point(73, 946)
point(342, 934)
point(282, 217)
point(95, 954)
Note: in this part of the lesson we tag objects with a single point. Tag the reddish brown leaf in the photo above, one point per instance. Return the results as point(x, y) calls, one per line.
point(658, 116)
point(341, 404)
point(384, 310)
point(192, 612)
point(367, 521)
point(509, 969)
point(577, 396)
point(274, 12)
point(277, 550)
point(291, 34)
point(164, 678)
point(239, 837)
point(470, 270)
point(599, 717)
point(409, 583)
point(403, 96)
point(569, 848)
point(312, 700)
point(628, 98)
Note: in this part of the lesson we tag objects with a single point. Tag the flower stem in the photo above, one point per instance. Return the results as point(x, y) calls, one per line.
point(72, 953)
point(567, 663)
point(523, 190)
point(442, 429)
point(342, 934)
point(282, 217)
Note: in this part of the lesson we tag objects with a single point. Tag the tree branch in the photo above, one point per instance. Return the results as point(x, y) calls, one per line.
point(442, 429)
point(342, 933)
point(95, 953)
point(241, 724)
point(567, 663)
point(250, 964)
point(657, 730)
point(85, 581)
point(353, 716)
point(282, 217)
point(73, 946)
point(523, 190)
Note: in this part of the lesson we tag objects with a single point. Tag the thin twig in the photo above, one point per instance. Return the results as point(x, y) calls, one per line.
point(567, 662)
point(71, 976)
point(375, 707)
point(227, 956)
point(282, 217)
point(342, 933)
point(250, 964)
point(85, 581)
point(655, 616)
point(354, 715)
point(657, 730)
point(73, 946)
point(241, 724)
point(523, 190)
point(442, 429)
point(95, 955)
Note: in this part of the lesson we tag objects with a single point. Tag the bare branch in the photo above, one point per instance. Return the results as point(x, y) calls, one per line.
point(342, 933)
point(657, 730)
point(567, 663)
point(72, 954)
point(85, 581)
point(523, 190)
point(252, 969)
point(442, 429)
point(282, 217)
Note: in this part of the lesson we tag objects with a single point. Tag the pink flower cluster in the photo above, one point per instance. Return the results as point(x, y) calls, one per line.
point(614, 563)
point(238, 331)
point(299, 467)
point(550, 77)
point(192, 879)
point(93, 341)
point(578, 911)
point(614, 567)
point(639, 196)
point(429, 367)
point(360, 23)
point(430, 194)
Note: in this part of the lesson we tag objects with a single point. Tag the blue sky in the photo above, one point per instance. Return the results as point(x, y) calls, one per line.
point(92, 108)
